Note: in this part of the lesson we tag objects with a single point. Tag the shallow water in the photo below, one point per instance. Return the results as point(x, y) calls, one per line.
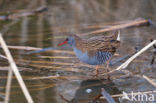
point(49, 74)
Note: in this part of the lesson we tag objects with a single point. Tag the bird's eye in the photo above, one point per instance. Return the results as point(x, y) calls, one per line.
point(67, 39)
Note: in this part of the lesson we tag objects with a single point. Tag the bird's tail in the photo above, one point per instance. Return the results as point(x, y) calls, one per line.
point(116, 35)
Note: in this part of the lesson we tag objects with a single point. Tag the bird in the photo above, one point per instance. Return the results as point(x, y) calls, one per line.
point(96, 50)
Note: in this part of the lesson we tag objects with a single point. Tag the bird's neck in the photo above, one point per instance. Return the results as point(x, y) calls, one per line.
point(80, 44)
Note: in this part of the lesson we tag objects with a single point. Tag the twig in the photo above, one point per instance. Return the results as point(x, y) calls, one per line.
point(125, 64)
point(149, 80)
point(15, 70)
point(120, 26)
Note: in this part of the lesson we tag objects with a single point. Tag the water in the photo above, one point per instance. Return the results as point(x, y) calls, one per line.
point(49, 74)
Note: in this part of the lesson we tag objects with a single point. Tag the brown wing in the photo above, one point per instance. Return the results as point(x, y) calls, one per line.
point(102, 46)
point(99, 43)
point(105, 38)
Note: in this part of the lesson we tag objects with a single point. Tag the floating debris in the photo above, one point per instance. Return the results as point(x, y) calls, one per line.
point(88, 90)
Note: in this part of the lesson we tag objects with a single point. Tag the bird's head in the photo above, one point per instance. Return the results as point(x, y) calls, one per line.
point(69, 40)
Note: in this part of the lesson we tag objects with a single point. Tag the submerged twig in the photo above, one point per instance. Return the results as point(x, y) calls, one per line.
point(58, 57)
point(97, 97)
point(38, 49)
point(8, 87)
point(63, 98)
point(42, 50)
point(59, 77)
point(107, 96)
point(154, 55)
point(153, 58)
point(119, 59)
point(2, 56)
point(2, 96)
point(23, 14)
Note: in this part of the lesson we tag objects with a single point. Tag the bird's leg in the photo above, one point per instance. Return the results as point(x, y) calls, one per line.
point(97, 70)
point(107, 68)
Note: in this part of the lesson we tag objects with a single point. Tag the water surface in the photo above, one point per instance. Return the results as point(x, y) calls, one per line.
point(49, 74)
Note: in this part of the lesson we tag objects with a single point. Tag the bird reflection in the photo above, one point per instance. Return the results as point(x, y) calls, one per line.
point(89, 91)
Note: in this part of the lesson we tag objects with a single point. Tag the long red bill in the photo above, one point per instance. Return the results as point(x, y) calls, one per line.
point(65, 42)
